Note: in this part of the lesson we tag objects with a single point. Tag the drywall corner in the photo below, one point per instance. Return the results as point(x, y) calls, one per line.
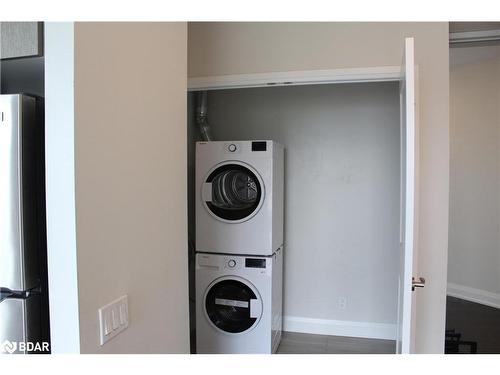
point(60, 187)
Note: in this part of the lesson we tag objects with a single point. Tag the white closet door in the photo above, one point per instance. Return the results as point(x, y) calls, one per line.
point(408, 220)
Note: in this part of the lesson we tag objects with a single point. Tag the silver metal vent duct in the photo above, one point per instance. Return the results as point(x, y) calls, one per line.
point(201, 115)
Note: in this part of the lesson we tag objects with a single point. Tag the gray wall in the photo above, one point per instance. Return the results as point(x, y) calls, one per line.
point(474, 243)
point(342, 190)
point(21, 39)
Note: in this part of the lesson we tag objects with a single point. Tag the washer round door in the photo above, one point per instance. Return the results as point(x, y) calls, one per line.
point(233, 305)
point(233, 192)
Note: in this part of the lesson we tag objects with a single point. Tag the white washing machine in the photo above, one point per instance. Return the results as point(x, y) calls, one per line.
point(238, 303)
point(239, 197)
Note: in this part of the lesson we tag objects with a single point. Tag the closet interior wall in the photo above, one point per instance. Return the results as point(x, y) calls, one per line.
point(342, 181)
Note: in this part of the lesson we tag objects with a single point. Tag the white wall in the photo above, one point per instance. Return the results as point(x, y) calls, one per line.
point(474, 242)
point(236, 48)
point(60, 187)
point(342, 197)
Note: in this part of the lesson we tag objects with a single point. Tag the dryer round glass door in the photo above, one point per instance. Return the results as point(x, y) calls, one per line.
point(233, 306)
point(233, 192)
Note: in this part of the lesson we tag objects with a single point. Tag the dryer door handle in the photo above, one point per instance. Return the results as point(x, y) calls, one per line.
point(255, 308)
point(206, 192)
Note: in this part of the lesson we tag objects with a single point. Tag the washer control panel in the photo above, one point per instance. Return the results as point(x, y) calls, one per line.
point(232, 263)
point(232, 148)
point(255, 263)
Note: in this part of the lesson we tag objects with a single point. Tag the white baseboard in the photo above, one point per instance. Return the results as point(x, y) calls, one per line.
point(339, 327)
point(474, 295)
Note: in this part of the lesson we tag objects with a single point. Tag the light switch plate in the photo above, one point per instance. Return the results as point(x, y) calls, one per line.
point(113, 319)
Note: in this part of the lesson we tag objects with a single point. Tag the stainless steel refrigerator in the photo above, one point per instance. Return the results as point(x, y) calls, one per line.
point(24, 321)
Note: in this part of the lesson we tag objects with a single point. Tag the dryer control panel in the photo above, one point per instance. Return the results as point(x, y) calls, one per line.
point(232, 148)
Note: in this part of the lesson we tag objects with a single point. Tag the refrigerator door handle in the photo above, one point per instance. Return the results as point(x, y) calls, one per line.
point(6, 293)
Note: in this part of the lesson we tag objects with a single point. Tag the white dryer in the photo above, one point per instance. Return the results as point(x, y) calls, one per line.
point(238, 303)
point(239, 197)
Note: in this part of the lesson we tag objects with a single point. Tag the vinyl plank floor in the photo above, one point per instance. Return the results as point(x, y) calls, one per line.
point(304, 343)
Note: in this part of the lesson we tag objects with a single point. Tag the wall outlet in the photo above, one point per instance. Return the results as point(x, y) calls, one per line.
point(342, 303)
point(113, 319)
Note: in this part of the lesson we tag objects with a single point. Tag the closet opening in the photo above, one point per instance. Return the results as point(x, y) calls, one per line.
point(342, 205)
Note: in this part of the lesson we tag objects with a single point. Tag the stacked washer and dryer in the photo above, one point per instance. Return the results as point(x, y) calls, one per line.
point(239, 246)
